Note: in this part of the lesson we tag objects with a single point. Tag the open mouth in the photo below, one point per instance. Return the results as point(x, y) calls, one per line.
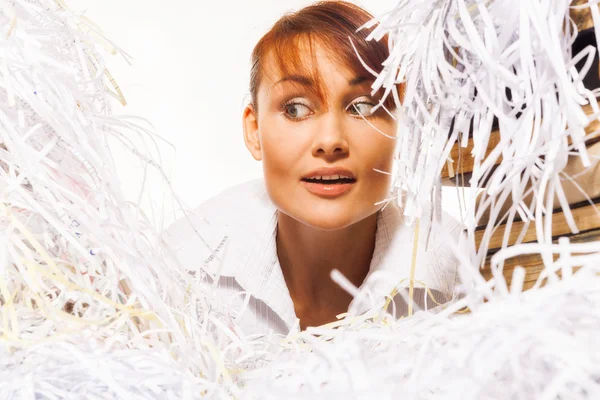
point(336, 181)
point(329, 180)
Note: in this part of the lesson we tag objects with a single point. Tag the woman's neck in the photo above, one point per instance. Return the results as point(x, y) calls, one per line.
point(307, 256)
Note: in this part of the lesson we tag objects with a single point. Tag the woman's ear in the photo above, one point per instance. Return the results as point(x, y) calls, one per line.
point(251, 135)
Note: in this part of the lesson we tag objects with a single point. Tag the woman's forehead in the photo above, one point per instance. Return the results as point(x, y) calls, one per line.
point(306, 68)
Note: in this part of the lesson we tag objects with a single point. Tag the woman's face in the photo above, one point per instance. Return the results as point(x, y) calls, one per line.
point(319, 156)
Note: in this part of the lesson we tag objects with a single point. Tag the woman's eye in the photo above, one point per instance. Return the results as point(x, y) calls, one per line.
point(297, 110)
point(362, 108)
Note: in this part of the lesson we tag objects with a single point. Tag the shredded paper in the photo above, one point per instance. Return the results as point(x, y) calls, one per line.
point(92, 305)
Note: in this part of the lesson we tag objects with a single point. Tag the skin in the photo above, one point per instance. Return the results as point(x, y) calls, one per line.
point(295, 133)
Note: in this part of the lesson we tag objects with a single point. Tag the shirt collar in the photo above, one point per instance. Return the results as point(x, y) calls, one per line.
point(252, 257)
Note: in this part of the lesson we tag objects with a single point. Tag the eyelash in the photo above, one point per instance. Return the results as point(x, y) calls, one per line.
point(288, 103)
point(364, 102)
point(283, 106)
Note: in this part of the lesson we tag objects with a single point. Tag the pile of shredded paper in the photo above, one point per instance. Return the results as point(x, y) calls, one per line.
point(93, 307)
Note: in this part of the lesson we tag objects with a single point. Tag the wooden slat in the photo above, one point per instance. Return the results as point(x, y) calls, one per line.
point(533, 262)
point(586, 179)
point(463, 163)
point(586, 218)
point(582, 17)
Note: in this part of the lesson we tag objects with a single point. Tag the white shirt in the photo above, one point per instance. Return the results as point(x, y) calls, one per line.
point(232, 236)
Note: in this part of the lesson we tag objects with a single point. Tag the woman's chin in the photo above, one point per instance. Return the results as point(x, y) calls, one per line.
point(328, 222)
point(329, 225)
point(324, 214)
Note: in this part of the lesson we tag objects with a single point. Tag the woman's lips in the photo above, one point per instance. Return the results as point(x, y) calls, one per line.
point(328, 189)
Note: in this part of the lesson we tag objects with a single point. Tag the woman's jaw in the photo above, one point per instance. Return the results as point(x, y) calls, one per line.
point(326, 211)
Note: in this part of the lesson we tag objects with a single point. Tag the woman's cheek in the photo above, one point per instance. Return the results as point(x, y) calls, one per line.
point(376, 150)
point(278, 162)
point(380, 156)
point(284, 147)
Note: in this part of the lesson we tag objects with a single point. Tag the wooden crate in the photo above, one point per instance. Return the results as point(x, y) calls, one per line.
point(459, 167)
point(533, 262)
point(587, 218)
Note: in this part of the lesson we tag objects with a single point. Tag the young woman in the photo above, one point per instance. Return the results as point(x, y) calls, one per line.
point(313, 124)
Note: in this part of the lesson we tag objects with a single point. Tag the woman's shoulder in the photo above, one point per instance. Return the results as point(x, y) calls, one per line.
point(396, 223)
point(438, 240)
point(232, 199)
point(202, 230)
point(226, 205)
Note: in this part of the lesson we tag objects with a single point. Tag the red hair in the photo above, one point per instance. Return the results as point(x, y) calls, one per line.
point(332, 24)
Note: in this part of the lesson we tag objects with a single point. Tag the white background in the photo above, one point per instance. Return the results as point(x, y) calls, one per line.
point(189, 78)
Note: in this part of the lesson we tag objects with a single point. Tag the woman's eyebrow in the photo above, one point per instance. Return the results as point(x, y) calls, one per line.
point(306, 81)
point(359, 80)
point(300, 79)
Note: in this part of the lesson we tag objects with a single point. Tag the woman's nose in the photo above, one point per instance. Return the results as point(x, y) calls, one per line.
point(331, 138)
